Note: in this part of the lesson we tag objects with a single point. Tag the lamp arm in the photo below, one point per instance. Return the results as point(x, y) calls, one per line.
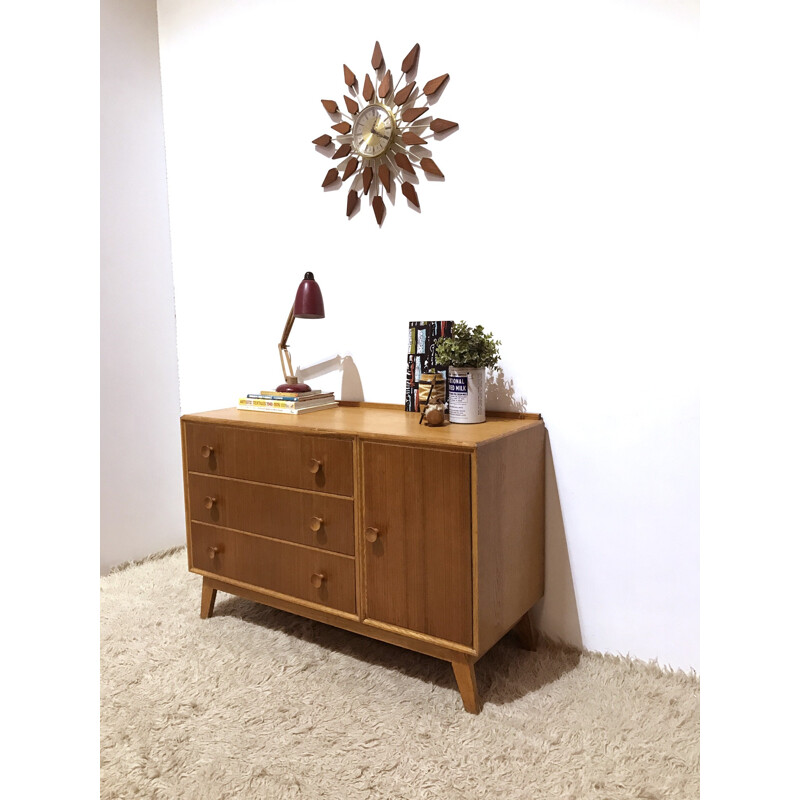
point(283, 347)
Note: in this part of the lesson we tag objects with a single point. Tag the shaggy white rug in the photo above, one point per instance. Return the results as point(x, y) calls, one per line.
point(257, 703)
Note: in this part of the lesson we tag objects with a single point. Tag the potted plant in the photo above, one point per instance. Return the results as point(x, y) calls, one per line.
point(468, 354)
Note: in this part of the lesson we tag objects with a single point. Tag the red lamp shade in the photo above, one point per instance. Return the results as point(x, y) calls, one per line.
point(308, 301)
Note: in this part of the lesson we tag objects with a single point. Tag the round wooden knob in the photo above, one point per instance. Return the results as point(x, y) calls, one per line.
point(317, 579)
point(209, 502)
point(213, 551)
point(314, 465)
point(316, 523)
point(206, 450)
point(372, 534)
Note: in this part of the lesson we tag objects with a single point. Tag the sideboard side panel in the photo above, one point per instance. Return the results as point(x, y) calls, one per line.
point(510, 539)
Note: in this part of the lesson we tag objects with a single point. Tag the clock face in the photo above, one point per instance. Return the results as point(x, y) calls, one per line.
point(373, 131)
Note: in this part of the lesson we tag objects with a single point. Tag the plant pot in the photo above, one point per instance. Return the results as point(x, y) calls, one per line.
point(467, 394)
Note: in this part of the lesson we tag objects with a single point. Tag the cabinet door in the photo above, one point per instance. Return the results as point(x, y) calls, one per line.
point(419, 568)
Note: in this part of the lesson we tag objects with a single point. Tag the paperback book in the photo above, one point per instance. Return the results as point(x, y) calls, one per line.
point(285, 406)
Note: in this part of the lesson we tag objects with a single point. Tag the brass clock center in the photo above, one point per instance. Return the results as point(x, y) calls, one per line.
point(374, 130)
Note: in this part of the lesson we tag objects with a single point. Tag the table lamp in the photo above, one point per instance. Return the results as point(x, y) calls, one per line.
point(307, 305)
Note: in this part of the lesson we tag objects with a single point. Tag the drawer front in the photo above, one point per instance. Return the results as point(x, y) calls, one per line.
point(316, 520)
point(278, 566)
point(318, 463)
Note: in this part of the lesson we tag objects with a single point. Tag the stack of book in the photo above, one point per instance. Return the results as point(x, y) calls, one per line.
point(288, 402)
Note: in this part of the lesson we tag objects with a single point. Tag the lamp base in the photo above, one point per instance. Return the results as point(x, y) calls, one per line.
point(294, 387)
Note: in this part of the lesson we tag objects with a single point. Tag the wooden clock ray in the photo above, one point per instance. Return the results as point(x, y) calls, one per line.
point(383, 131)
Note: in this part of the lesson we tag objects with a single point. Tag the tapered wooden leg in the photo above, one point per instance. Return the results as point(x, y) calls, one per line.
point(207, 600)
point(467, 685)
point(528, 635)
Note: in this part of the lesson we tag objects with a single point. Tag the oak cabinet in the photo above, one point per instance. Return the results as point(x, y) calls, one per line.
point(427, 538)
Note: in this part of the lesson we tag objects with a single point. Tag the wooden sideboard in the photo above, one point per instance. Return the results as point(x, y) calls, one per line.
point(357, 516)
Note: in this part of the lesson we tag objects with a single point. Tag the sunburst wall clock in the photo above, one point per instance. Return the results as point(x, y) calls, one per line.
point(383, 134)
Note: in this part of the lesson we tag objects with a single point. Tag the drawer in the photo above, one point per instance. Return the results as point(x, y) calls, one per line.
point(318, 463)
point(271, 511)
point(278, 566)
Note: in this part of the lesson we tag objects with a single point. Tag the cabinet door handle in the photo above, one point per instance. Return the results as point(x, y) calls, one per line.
point(213, 551)
point(316, 523)
point(209, 502)
point(206, 450)
point(317, 579)
point(314, 465)
point(372, 534)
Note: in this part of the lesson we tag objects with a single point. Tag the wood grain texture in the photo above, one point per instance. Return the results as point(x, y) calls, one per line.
point(418, 499)
point(377, 56)
point(385, 176)
point(441, 125)
point(510, 518)
point(186, 513)
point(403, 95)
point(274, 511)
point(385, 85)
point(411, 60)
point(349, 75)
point(341, 127)
point(269, 456)
point(349, 167)
point(279, 566)
point(464, 672)
point(330, 106)
point(352, 105)
point(433, 85)
point(401, 159)
point(378, 421)
point(352, 201)
point(331, 177)
point(410, 114)
point(379, 208)
point(410, 192)
point(369, 89)
point(322, 141)
point(340, 619)
point(342, 151)
point(367, 179)
point(429, 165)
point(410, 138)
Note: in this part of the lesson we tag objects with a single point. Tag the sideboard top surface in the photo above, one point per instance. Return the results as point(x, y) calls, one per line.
point(375, 422)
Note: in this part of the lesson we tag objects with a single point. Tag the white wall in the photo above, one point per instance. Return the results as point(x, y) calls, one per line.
point(567, 225)
point(141, 486)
